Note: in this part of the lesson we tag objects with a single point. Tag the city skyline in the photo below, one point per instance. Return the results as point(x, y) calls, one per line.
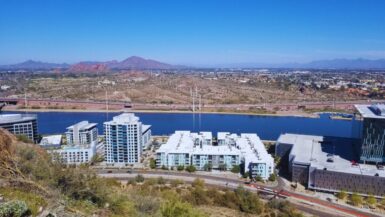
point(195, 33)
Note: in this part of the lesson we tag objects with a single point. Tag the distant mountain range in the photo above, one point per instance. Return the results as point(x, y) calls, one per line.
point(346, 64)
point(135, 62)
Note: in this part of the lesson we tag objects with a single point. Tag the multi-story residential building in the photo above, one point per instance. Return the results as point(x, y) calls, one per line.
point(21, 124)
point(125, 137)
point(82, 133)
point(186, 148)
point(81, 146)
point(373, 133)
point(329, 164)
point(75, 154)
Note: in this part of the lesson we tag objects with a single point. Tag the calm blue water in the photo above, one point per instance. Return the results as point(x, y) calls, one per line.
point(267, 127)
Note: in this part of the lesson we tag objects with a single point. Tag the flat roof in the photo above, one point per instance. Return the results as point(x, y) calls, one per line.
point(51, 140)
point(248, 146)
point(316, 150)
point(83, 125)
point(371, 111)
point(124, 118)
point(10, 118)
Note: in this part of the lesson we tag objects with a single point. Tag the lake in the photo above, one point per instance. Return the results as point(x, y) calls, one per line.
point(267, 127)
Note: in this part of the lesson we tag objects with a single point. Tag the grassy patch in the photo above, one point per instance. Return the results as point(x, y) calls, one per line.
point(32, 200)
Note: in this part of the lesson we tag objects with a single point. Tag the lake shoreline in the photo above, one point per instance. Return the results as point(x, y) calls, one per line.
point(294, 114)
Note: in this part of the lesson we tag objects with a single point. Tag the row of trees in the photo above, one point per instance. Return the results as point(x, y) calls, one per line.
point(356, 199)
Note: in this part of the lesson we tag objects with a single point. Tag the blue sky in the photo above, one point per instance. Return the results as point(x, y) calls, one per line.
point(191, 32)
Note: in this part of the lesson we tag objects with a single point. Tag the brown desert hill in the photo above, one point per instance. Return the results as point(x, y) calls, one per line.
point(135, 62)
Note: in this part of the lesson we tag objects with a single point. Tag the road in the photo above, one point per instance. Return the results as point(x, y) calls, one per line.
point(304, 203)
point(150, 106)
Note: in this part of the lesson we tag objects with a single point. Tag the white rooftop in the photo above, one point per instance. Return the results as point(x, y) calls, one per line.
point(315, 151)
point(145, 127)
point(8, 118)
point(83, 125)
point(51, 140)
point(372, 111)
point(249, 146)
point(124, 118)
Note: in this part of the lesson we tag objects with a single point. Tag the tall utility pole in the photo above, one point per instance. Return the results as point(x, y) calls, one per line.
point(106, 105)
point(200, 110)
point(25, 102)
point(193, 108)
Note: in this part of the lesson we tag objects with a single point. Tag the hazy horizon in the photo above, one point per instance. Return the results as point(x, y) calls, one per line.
point(197, 33)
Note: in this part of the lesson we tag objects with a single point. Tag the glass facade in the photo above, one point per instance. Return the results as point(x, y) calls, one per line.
point(373, 140)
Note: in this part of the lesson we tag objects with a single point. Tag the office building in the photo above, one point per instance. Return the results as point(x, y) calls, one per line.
point(82, 133)
point(187, 148)
point(329, 164)
point(21, 124)
point(125, 138)
point(372, 149)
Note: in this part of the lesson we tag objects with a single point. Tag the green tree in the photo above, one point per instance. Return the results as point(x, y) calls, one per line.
point(371, 200)
point(207, 167)
point(191, 168)
point(236, 169)
point(342, 195)
point(180, 168)
point(272, 177)
point(222, 167)
point(356, 199)
point(258, 178)
point(152, 163)
point(246, 175)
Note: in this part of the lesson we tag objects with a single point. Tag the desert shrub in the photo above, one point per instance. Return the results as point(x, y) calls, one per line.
point(23, 138)
point(33, 201)
point(139, 178)
point(371, 200)
point(176, 182)
point(160, 181)
point(179, 209)
point(248, 202)
point(14, 209)
point(122, 206)
point(198, 183)
point(356, 199)
point(342, 195)
point(146, 204)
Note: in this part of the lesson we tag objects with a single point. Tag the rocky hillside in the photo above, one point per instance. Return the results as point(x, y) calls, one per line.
point(31, 184)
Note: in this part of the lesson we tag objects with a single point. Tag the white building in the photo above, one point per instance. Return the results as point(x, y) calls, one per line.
point(82, 143)
point(125, 138)
point(82, 133)
point(186, 148)
point(75, 154)
point(51, 141)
